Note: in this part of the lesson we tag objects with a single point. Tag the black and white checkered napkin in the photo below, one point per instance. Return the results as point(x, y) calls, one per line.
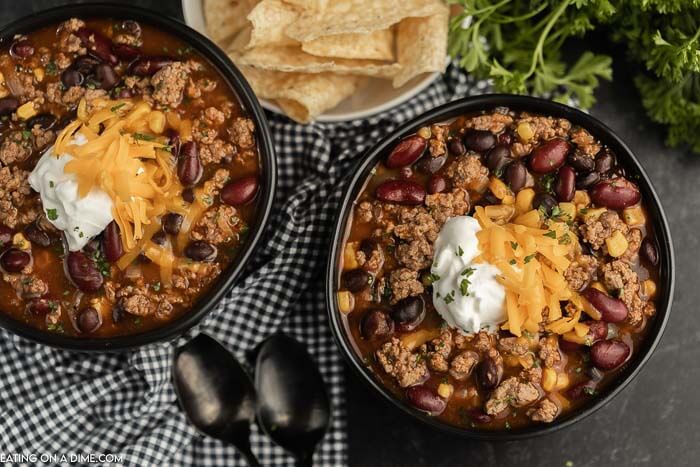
point(60, 402)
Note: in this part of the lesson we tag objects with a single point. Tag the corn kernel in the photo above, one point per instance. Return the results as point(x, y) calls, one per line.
point(529, 219)
point(582, 197)
point(425, 132)
point(617, 244)
point(549, 379)
point(523, 200)
point(39, 74)
point(498, 188)
point(445, 390)
point(20, 241)
point(186, 130)
point(562, 381)
point(26, 111)
point(156, 121)
point(350, 256)
point(525, 131)
point(592, 214)
point(173, 120)
point(649, 288)
point(415, 339)
point(346, 301)
point(634, 216)
point(500, 213)
point(568, 211)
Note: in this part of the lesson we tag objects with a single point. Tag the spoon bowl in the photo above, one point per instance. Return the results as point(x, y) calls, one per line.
point(294, 408)
point(215, 392)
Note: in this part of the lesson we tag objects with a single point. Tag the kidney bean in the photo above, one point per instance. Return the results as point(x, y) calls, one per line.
point(456, 147)
point(581, 162)
point(173, 140)
point(71, 77)
point(505, 138)
point(37, 235)
point(189, 167)
point(430, 164)
point(408, 313)
point(612, 309)
point(112, 247)
point(568, 346)
point(616, 193)
point(609, 354)
point(188, 195)
point(83, 272)
point(489, 373)
point(8, 105)
point(581, 390)
point(604, 162)
point(565, 185)
point(14, 260)
point(479, 140)
point(549, 156)
point(159, 238)
point(488, 199)
point(22, 49)
point(45, 121)
point(597, 330)
point(516, 176)
point(147, 66)
point(436, 184)
point(649, 251)
point(357, 280)
point(406, 152)
point(98, 44)
point(106, 76)
point(200, 250)
point(426, 400)
point(125, 52)
point(6, 234)
point(129, 26)
point(498, 158)
point(240, 192)
point(400, 192)
point(39, 306)
point(478, 416)
point(545, 202)
point(584, 181)
point(89, 320)
point(85, 64)
point(172, 222)
point(376, 324)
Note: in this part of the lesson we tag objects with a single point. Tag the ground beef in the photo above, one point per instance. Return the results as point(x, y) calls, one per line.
point(195, 89)
point(545, 411)
point(622, 281)
point(436, 143)
point(513, 346)
point(468, 173)
point(63, 61)
point(462, 365)
point(26, 285)
point(218, 225)
point(549, 351)
point(15, 148)
point(544, 128)
point(364, 212)
point(442, 206)
point(213, 116)
point(580, 272)
point(169, 84)
point(213, 186)
point(596, 230)
point(493, 122)
point(216, 152)
point(511, 392)
point(415, 255)
point(586, 143)
point(532, 375)
point(634, 241)
point(242, 132)
point(55, 94)
point(203, 133)
point(417, 230)
point(404, 283)
point(14, 192)
point(483, 343)
point(68, 42)
point(91, 95)
point(372, 263)
point(42, 138)
point(396, 360)
point(437, 351)
point(136, 301)
point(127, 39)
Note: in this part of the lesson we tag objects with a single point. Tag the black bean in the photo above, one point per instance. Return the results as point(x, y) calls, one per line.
point(14, 260)
point(39, 307)
point(489, 373)
point(498, 158)
point(106, 76)
point(45, 121)
point(37, 235)
point(456, 147)
point(581, 162)
point(479, 140)
point(71, 77)
point(505, 138)
point(430, 164)
point(357, 280)
point(200, 250)
point(188, 195)
point(172, 223)
point(544, 202)
point(516, 176)
point(118, 313)
point(89, 320)
point(376, 324)
point(408, 313)
point(129, 26)
point(649, 251)
point(159, 238)
point(587, 180)
point(8, 105)
point(488, 199)
point(85, 64)
point(604, 162)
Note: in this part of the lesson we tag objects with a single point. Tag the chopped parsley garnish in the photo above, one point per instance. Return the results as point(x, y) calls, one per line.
point(117, 107)
point(551, 234)
point(514, 245)
point(137, 321)
point(512, 262)
point(464, 287)
point(449, 298)
point(565, 239)
point(467, 272)
point(460, 251)
point(101, 263)
point(51, 184)
point(156, 286)
point(432, 278)
point(26, 134)
point(529, 258)
point(507, 425)
point(51, 68)
point(583, 211)
point(58, 327)
point(52, 214)
point(546, 182)
point(589, 390)
point(144, 137)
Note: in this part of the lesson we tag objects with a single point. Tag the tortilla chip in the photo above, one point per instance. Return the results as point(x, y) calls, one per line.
point(225, 18)
point(421, 45)
point(377, 45)
point(270, 18)
point(309, 4)
point(358, 16)
point(294, 60)
point(301, 96)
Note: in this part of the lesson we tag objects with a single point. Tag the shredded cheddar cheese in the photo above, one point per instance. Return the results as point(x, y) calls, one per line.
point(532, 261)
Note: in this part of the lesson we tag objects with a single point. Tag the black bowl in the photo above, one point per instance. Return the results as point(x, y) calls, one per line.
point(545, 107)
point(247, 99)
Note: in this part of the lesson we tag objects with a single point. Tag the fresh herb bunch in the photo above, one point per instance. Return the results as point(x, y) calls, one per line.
point(519, 45)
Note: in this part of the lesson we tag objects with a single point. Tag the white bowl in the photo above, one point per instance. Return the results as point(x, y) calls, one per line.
point(374, 97)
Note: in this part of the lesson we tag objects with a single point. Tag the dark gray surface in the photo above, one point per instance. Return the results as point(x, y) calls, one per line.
point(653, 422)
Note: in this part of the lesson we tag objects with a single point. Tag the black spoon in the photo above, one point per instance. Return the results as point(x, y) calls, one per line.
point(215, 393)
point(293, 404)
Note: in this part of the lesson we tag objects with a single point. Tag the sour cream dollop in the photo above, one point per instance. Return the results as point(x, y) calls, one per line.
point(79, 218)
point(466, 294)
